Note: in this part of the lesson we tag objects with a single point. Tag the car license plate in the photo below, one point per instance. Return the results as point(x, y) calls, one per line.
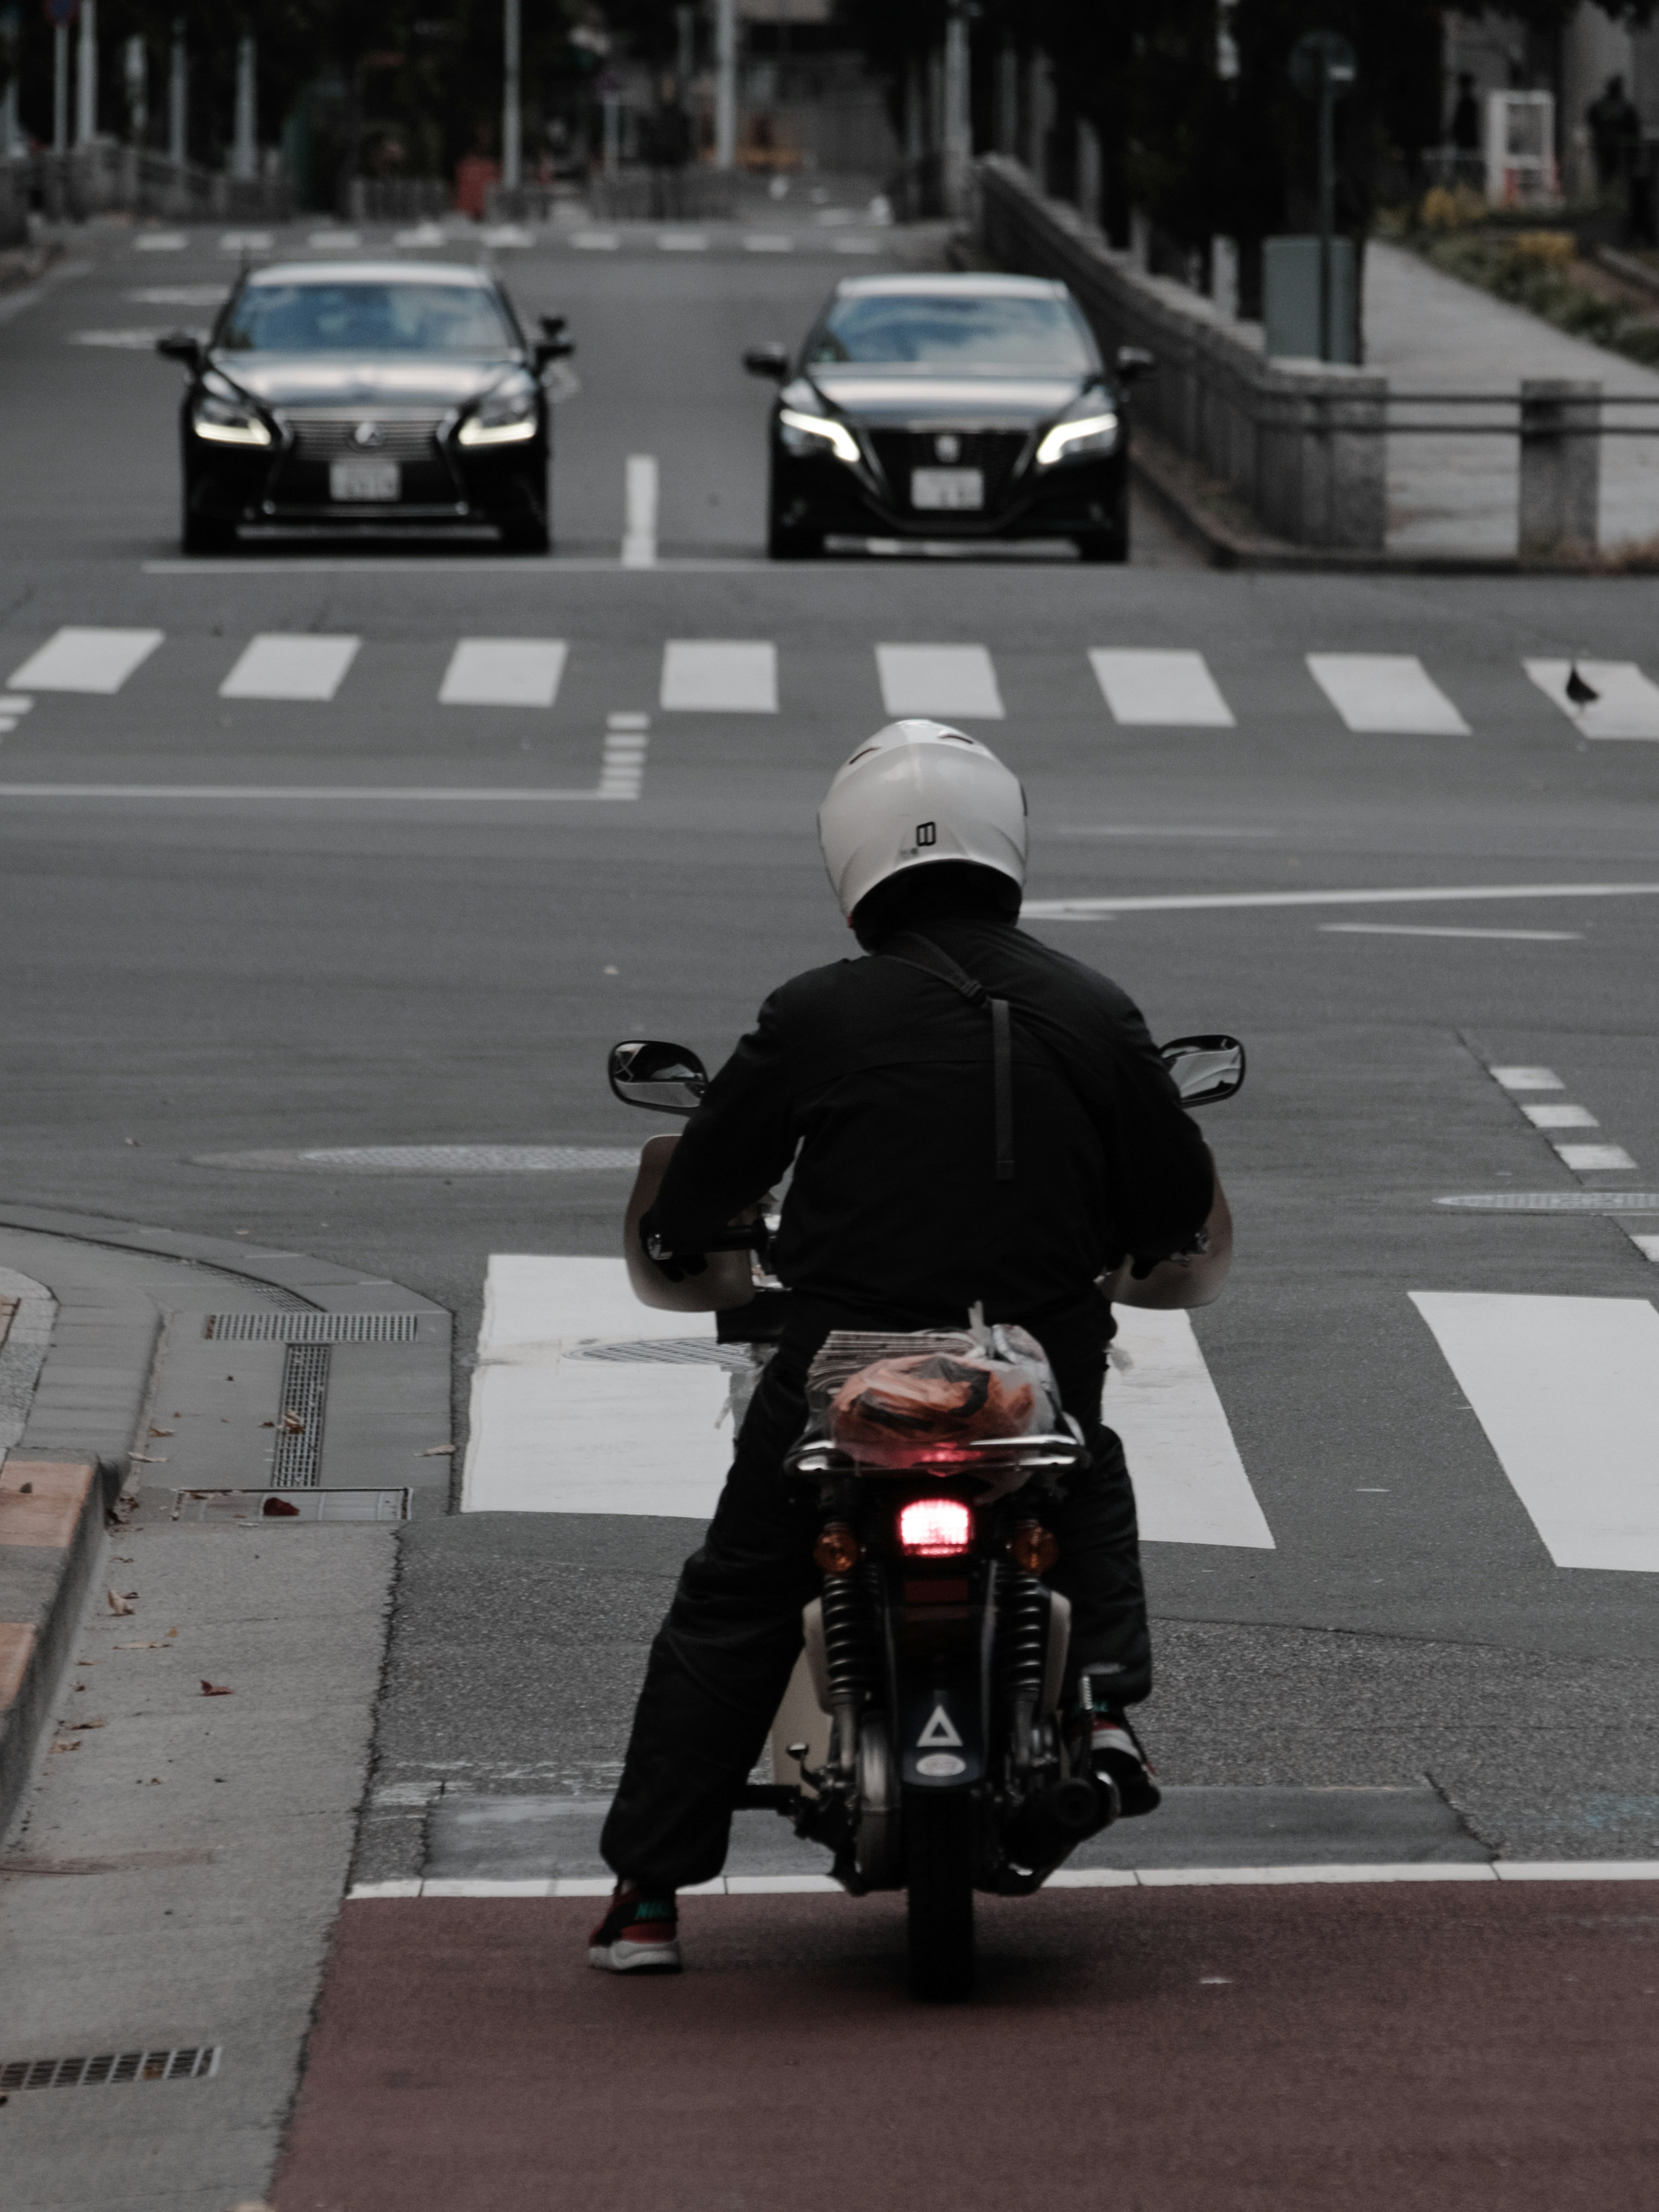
point(943, 489)
point(379, 481)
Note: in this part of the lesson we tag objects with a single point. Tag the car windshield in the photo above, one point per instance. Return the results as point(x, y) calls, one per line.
point(367, 317)
point(942, 331)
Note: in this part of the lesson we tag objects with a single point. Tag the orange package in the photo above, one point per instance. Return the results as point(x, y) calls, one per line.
point(890, 1412)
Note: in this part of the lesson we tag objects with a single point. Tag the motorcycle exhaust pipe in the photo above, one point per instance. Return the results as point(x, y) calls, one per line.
point(1046, 1827)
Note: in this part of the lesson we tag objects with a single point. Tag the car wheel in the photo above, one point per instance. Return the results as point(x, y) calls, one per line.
point(1103, 544)
point(204, 533)
point(525, 537)
point(783, 544)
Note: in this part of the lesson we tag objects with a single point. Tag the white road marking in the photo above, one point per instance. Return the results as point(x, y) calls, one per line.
point(1594, 1159)
point(640, 485)
point(504, 671)
point(720, 675)
point(127, 341)
point(345, 240)
point(369, 794)
point(1086, 909)
point(98, 660)
point(419, 235)
point(15, 706)
point(507, 234)
point(1386, 694)
point(769, 241)
point(1567, 1391)
point(595, 241)
point(1160, 690)
point(1411, 929)
point(1189, 1481)
point(551, 1434)
point(1560, 1117)
point(1627, 705)
point(247, 241)
point(281, 664)
point(622, 762)
point(1323, 1874)
point(1647, 1246)
point(681, 241)
point(160, 241)
point(1527, 1078)
point(856, 245)
point(940, 681)
point(179, 295)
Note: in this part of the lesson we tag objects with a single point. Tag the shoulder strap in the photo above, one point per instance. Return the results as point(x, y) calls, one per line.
point(919, 952)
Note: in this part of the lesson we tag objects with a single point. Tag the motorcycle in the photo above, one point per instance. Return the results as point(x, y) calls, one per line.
point(936, 1649)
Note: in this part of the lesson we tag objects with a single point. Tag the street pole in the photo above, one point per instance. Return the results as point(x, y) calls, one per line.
point(726, 84)
point(243, 159)
point(60, 88)
point(958, 126)
point(86, 101)
point(178, 93)
point(1326, 197)
point(137, 77)
point(512, 116)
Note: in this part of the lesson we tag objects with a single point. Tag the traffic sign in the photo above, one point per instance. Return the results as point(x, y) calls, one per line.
point(1321, 59)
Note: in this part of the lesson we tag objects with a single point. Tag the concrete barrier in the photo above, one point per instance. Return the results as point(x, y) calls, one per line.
point(1301, 443)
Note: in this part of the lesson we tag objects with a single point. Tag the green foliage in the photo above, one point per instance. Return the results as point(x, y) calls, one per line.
point(1514, 269)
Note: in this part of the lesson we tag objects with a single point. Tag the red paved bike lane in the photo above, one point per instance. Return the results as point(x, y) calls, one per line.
point(1301, 2049)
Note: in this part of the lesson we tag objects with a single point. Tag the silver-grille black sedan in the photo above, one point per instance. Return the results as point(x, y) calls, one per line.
point(373, 396)
point(943, 407)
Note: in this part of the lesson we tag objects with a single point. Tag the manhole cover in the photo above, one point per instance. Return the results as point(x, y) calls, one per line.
point(434, 1159)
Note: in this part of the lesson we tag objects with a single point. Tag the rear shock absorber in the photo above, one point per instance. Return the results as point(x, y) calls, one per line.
point(1022, 1654)
point(849, 1661)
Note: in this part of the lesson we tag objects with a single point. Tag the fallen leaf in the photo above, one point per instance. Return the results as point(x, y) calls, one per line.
point(436, 1451)
point(66, 1746)
point(172, 1632)
point(69, 1727)
point(117, 1605)
point(292, 1424)
point(25, 1489)
point(149, 1459)
point(216, 1690)
point(140, 1647)
point(267, 1424)
point(163, 1432)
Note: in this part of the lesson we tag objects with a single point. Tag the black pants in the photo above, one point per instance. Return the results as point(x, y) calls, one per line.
point(723, 1657)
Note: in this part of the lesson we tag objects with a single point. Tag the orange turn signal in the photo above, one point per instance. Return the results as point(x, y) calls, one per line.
point(1033, 1547)
point(836, 1550)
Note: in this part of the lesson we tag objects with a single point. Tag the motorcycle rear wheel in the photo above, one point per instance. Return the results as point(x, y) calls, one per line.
point(938, 1872)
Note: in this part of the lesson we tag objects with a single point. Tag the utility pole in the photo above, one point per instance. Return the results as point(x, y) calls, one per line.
point(512, 116)
point(60, 87)
point(726, 84)
point(86, 100)
point(178, 95)
point(1322, 69)
point(959, 124)
point(245, 151)
point(137, 77)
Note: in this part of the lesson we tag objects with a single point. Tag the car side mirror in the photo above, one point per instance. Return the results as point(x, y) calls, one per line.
point(768, 360)
point(549, 349)
point(1134, 363)
point(1207, 1069)
point(552, 326)
point(182, 346)
point(664, 1078)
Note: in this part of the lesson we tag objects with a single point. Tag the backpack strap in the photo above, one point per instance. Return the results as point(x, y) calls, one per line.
point(922, 952)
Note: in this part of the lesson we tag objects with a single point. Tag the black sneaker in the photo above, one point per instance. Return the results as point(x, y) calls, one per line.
point(638, 1935)
point(1116, 1750)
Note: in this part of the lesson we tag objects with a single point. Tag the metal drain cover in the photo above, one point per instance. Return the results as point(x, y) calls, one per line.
point(667, 1351)
point(187, 2062)
point(271, 1327)
point(433, 1159)
point(1556, 1201)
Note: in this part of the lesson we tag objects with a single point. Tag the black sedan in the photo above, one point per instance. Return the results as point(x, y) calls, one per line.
point(372, 396)
point(949, 407)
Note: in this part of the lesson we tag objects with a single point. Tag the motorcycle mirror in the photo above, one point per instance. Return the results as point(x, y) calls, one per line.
point(664, 1078)
point(1207, 1069)
point(771, 361)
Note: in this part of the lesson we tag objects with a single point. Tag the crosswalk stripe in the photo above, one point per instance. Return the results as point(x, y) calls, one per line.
point(1594, 1159)
point(504, 671)
point(1567, 1391)
point(1386, 694)
point(277, 665)
point(1189, 1481)
point(1626, 704)
point(86, 660)
point(942, 680)
point(720, 675)
point(1160, 690)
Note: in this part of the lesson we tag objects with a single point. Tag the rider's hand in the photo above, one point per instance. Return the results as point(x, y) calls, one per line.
point(674, 1266)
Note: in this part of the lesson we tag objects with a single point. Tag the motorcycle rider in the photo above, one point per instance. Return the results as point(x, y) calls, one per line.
point(915, 1194)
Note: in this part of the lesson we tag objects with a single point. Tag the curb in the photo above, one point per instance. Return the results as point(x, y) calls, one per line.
point(87, 1408)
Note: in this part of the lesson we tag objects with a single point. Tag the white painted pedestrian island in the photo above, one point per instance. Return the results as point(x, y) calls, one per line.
point(556, 1430)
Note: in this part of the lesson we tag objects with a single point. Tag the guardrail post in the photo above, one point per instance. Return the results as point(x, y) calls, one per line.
point(1561, 467)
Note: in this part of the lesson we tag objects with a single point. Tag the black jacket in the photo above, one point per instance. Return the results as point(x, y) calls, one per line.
point(875, 1079)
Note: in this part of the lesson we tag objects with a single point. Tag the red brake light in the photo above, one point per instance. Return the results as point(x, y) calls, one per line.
point(935, 1529)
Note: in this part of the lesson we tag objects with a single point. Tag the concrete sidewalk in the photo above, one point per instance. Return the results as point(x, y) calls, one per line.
point(1428, 332)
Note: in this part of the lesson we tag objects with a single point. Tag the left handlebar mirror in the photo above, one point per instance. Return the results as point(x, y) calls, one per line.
point(1207, 1069)
point(665, 1078)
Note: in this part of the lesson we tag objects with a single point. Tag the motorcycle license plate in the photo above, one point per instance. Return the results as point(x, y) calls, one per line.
point(378, 481)
point(947, 490)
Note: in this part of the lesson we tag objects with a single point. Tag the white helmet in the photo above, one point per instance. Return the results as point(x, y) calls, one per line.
point(918, 791)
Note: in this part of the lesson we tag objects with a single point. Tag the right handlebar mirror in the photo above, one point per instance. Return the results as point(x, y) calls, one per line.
point(1207, 1069)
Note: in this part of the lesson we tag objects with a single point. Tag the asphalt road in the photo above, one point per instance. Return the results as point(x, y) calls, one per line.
point(188, 977)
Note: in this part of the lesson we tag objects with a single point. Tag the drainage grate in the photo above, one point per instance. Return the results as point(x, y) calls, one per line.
point(194, 2062)
point(1557, 1202)
point(669, 1351)
point(312, 1328)
point(298, 1460)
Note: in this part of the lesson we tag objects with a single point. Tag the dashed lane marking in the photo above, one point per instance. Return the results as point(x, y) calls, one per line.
point(504, 671)
point(280, 665)
point(1386, 694)
point(940, 681)
point(1567, 1391)
point(1594, 1159)
point(85, 659)
point(640, 485)
point(717, 675)
point(1526, 1079)
point(1089, 909)
point(1411, 929)
point(1172, 690)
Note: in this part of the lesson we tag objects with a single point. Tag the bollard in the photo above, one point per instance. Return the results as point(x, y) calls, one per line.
point(1560, 468)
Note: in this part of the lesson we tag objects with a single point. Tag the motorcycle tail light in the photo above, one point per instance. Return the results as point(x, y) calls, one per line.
point(935, 1529)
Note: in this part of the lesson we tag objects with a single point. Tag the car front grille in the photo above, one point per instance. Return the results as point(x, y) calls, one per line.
point(994, 453)
point(302, 481)
point(334, 437)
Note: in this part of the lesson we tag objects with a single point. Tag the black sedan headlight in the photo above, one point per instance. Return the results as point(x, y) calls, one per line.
point(809, 436)
point(505, 416)
point(1089, 431)
point(224, 416)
